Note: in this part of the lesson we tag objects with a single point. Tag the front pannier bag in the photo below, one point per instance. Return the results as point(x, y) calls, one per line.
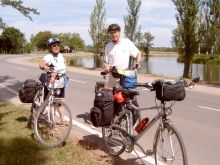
point(128, 78)
point(169, 90)
point(28, 91)
point(102, 112)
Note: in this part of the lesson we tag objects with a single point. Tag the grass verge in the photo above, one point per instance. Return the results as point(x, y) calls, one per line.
point(17, 145)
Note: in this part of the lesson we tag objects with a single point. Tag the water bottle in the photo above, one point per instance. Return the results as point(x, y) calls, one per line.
point(141, 125)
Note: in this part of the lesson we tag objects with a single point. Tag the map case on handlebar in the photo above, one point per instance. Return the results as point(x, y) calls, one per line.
point(128, 78)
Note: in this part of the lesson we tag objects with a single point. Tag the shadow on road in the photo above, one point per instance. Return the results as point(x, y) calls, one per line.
point(5, 86)
point(5, 78)
point(93, 142)
point(85, 117)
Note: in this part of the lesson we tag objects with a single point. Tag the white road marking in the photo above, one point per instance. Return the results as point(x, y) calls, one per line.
point(212, 109)
point(94, 132)
point(9, 89)
point(20, 68)
point(86, 128)
point(78, 81)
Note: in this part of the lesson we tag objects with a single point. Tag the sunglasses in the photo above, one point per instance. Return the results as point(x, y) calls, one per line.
point(55, 45)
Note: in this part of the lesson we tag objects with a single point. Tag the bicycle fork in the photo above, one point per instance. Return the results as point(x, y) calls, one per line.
point(50, 111)
point(162, 141)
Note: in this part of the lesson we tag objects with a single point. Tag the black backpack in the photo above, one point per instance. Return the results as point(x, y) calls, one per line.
point(102, 112)
point(29, 90)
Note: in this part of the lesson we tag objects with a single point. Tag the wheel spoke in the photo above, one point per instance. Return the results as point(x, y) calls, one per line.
point(169, 147)
point(51, 130)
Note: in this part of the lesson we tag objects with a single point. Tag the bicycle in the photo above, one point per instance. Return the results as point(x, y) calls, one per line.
point(51, 117)
point(123, 133)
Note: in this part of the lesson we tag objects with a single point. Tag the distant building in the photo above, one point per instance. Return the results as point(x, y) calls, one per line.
point(66, 49)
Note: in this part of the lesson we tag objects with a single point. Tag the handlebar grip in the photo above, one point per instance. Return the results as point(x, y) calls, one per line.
point(146, 85)
point(196, 79)
point(135, 67)
point(103, 73)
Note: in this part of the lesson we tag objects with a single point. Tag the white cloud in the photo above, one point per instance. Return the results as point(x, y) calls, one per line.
point(157, 4)
point(157, 16)
point(162, 36)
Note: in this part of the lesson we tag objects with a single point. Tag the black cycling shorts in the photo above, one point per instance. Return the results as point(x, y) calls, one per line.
point(60, 95)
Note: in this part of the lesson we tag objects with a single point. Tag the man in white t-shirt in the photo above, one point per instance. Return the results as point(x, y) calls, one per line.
point(56, 61)
point(118, 52)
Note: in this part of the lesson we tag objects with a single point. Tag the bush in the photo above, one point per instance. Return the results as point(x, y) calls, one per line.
point(202, 59)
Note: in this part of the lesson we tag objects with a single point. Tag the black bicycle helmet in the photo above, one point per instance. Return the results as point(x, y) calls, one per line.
point(114, 27)
point(52, 41)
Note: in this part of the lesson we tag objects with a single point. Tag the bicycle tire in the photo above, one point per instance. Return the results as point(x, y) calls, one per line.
point(52, 132)
point(108, 132)
point(169, 147)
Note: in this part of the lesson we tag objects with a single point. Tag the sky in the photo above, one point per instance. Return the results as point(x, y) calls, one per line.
point(61, 16)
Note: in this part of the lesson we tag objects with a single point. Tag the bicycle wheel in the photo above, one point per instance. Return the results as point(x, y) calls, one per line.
point(113, 138)
point(169, 147)
point(53, 123)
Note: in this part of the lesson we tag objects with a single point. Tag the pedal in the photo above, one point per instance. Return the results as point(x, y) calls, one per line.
point(149, 152)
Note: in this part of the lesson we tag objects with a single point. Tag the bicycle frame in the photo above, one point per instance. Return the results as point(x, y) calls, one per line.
point(50, 96)
point(161, 115)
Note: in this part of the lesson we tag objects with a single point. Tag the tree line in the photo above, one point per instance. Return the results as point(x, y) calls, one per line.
point(12, 41)
point(198, 29)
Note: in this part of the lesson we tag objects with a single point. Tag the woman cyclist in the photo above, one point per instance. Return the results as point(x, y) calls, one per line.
point(56, 61)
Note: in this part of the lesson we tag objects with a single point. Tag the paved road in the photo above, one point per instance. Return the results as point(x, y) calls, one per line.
point(197, 117)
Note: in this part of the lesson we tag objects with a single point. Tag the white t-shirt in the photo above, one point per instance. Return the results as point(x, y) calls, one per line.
point(57, 62)
point(118, 54)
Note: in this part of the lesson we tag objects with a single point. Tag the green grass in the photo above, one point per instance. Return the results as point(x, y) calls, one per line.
point(17, 145)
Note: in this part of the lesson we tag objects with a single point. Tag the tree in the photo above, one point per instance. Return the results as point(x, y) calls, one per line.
point(97, 29)
point(73, 40)
point(131, 20)
point(186, 20)
point(209, 24)
point(2, 25)
point(17, 4)
point(27, 48)
point(13, 40)
point(39, 41)
point(146, 42)
point(177, 41)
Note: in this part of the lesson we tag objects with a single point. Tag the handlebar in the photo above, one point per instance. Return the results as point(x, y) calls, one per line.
point(192, 83)
point(113, 70)
point(149, 85)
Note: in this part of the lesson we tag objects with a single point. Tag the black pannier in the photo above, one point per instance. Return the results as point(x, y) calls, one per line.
point(28, 91)
point(102, 112)
point(169, 90)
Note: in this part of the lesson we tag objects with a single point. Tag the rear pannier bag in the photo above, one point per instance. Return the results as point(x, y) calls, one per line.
point(102, 112)
point(169, 90)
point(28, 91)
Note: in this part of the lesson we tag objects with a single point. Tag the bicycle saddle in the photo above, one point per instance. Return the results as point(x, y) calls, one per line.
point(129, 93)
